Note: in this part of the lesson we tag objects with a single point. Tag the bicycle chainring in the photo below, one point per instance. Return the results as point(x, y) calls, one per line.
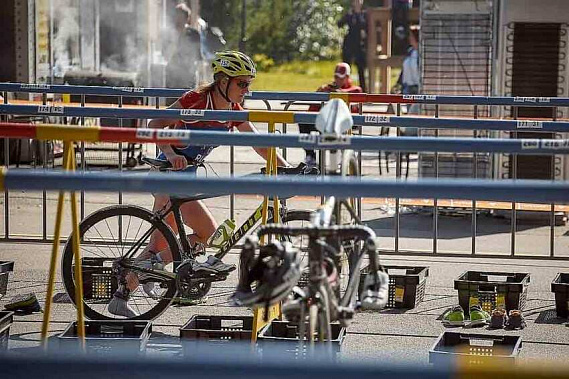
point(189, 288)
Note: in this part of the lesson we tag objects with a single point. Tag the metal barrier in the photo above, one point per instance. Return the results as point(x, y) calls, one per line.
point(373, 120)
point(343, 187)
point(198, 365)
point(238, 362)
point(295, 96)
point(288, 117)
point(323, 142)
point(358, 143)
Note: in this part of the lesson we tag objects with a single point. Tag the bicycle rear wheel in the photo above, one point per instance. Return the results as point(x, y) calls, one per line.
point(106, 236)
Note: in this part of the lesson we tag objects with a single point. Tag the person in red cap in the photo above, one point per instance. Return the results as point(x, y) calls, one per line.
point(342, 83)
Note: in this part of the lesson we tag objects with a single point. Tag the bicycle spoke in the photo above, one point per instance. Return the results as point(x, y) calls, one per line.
point(97, 243)
point(126, 234)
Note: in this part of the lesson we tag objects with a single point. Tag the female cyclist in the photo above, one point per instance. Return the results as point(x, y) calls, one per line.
point(233, 73)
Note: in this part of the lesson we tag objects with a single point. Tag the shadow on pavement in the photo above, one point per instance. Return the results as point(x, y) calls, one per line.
point(415, 224)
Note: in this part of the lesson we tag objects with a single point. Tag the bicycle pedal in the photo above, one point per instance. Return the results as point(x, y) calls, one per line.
point(204, 277)
point(219, 278)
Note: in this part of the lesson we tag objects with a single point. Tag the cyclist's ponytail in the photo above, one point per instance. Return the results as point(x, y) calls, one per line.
point(210, 87)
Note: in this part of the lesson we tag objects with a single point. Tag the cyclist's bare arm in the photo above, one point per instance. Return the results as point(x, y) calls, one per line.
point(179, 162)
point(248, 127)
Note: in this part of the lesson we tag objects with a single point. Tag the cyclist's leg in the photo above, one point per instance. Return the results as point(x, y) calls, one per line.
point(158, 243)
point(157, 246)
point(198, 217)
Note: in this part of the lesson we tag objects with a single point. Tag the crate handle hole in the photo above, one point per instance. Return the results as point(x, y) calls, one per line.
point(226, 324)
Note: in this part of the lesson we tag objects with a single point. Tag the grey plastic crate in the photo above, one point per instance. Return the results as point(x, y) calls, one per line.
point(5, 268)
point(560, 286)
point(6, 319)
point(406, 285)
point(217, 328)
point(99, 283)
point(488, 286)
point(474, 349)
point(108, 337)
point(281, 338)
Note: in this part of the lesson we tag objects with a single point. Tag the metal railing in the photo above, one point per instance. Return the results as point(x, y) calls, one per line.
point(367, 120)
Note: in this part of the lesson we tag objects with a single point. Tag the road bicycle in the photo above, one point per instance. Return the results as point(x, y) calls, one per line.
point(275, 273)
point(111, 238)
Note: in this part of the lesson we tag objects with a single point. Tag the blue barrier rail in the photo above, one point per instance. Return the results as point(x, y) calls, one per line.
point(306, 141)
point(503, 190)
point(367, 143)
point(298, 117)
point(296, 96)
point(217, 363)
point(373, 143)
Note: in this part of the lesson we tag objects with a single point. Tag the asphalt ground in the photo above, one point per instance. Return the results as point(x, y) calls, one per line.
point(387, 336)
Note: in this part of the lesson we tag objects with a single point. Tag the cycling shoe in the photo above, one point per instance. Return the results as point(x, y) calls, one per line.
point(213, 265)
point(376, 291)
point(120, 307)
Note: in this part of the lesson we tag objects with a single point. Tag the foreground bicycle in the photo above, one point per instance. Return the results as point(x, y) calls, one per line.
point(274, 274)
point(277, 268)
point(113, 237)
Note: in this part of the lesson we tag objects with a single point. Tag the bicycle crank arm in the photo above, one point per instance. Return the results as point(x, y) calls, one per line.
point(157, 274)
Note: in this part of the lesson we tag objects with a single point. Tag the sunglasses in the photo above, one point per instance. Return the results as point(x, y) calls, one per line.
point(243, 84)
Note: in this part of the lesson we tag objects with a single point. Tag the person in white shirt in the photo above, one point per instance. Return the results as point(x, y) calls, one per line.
point(410, 76)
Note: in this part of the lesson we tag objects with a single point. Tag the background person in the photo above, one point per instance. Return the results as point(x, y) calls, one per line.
point(355, 43)
point(410, 77)
point(342, 83)
point(182, 67)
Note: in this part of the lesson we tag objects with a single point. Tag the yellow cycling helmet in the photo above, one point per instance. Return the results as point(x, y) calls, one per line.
point(233, 63)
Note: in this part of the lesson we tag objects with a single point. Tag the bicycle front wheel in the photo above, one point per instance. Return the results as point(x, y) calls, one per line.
point(346, 213)
point(297, 218)
point(106, 237)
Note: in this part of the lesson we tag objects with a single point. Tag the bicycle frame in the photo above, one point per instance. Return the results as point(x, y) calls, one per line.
point(174, 208)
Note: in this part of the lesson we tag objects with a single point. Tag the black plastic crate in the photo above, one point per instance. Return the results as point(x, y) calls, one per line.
point(108, 337)
point(560, 286)
point(406, 285)
point(492, 290)
point(282, 339)
point(474, 349)
point(6, 319)
point(5, 268)
point(99, 283)
point(217, 328)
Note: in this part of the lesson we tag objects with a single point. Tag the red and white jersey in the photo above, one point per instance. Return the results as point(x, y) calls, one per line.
point(204, 100)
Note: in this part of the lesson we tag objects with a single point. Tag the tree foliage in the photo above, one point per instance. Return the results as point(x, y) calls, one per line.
point(282, 30)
